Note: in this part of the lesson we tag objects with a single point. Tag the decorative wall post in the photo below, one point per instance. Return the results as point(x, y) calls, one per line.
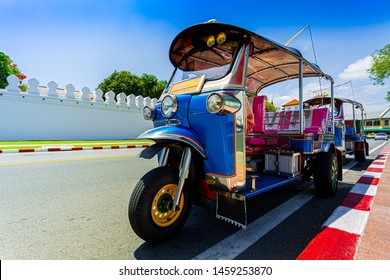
point(131, 100)
point(98, 96)
point(85, 94)
point(69, 91)
point(139, 101)
point(154, 102)
point(110, 97)
point(33, 85)
point(13, 83)
point(121, 99)
point(52, 89)
point(148, 101)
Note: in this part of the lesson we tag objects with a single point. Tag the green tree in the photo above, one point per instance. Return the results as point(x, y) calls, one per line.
point(270, 106)
point(124, 81)
point(380, 69)
point(8, 68)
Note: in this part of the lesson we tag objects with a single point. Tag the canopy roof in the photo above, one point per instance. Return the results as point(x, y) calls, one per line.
point(327, 100)
point(269, 62)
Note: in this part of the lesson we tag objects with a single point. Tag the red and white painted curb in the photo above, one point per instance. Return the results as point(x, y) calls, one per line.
point(340, 234)
point(62, 149)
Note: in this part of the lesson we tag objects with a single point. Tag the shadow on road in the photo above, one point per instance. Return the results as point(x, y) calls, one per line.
point(284, 242)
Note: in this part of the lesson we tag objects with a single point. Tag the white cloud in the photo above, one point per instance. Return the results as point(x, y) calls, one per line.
point(357, 70)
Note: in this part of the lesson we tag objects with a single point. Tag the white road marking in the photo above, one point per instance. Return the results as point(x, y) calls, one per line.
point(348, 166)
point(348, 220)
point(376, 148)
point(364, 189)
point(233, 245)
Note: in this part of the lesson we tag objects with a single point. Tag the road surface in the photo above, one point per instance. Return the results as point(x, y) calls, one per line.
point(73, 205)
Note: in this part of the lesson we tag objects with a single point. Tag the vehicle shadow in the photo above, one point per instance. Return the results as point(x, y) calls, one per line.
point(203, 230)
point(285, 242)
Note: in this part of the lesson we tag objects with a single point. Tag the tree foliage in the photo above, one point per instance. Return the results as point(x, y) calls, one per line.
point(380, 69)
point(124, 81)
point(8, 68)
point(270, 106)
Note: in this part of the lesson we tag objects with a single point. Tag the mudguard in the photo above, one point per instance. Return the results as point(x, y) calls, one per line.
point(174, 133)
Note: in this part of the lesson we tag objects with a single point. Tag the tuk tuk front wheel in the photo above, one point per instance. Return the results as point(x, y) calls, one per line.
point(150, 206)
point(325, 174)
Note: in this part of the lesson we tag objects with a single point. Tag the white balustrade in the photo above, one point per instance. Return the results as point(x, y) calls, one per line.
point(68, 113)
point(85, 94)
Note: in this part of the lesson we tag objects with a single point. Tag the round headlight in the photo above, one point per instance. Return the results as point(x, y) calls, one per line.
point(214, 103)
point(149, 113)
point(169, 106)
point(210, 41)
point(221, 38)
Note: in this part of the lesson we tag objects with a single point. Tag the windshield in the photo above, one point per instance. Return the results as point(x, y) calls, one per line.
point(211, 73)
point(212, 62)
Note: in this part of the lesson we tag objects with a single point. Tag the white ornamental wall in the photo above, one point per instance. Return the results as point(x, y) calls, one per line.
point(49, 113)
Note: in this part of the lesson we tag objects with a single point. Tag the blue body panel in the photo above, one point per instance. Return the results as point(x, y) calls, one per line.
point(181, 114)
point(182, 133)
point(349, 131)
point(216, 132)
point(338, 136)
point(212, 135)
point(302, 145)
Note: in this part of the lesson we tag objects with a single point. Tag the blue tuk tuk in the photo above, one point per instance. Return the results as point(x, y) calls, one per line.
point(349, 133)
point(214, 139)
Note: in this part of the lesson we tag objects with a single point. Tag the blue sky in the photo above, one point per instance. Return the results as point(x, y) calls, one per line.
point(83, 41)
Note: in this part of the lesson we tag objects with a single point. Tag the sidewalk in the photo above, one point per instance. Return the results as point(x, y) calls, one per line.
point(375, 242)
point(359, 228)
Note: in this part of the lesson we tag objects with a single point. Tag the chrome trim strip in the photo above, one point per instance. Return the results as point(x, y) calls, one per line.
point(183, 174)
point(164, 157)
point(301, 115)
point(332, 101)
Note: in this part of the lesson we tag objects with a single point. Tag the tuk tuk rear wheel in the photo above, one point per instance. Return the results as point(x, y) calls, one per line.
point(360, 156)
point(150, 205)
point(326, 174)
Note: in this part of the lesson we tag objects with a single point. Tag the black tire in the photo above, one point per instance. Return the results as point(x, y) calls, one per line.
point(360, 156)
point(156, 189)
point(325, 174)
point(344, 157)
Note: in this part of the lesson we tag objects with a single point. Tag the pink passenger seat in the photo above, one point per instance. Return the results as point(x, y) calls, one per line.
point(259, 119)
point(318, 115)
point(259, 113)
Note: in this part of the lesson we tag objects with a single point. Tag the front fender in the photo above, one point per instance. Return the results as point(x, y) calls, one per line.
point(175, 133)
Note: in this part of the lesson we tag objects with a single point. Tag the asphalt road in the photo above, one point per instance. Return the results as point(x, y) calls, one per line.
point(73, 205)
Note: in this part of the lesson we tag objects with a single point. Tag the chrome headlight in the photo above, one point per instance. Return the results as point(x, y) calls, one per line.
point(223, 103)
point(149, 113)
point(214, 103)
point(169, 106)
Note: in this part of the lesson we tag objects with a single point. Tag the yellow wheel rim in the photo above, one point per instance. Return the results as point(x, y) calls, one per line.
point(161, 205)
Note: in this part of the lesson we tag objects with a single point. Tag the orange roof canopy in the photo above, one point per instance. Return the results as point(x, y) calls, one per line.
point(291, 103)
